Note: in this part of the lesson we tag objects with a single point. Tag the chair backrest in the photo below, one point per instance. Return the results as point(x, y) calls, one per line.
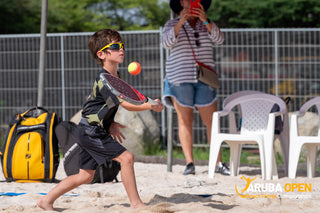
point(255, 109)
point(307, 105)
point(239, 94)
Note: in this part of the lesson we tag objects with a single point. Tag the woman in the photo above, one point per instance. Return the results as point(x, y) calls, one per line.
point(184, 35)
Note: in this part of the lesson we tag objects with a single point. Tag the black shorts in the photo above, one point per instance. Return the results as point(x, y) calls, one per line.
point(96, 146)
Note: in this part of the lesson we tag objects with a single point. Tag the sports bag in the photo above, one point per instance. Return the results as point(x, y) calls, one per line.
point(30, 151)
point(67, 139)
point(278, 126)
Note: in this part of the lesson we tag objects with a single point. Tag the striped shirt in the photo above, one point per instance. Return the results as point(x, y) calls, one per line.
point(181, 66)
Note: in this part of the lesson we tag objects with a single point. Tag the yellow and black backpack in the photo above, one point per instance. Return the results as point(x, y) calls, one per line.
point(30, 151)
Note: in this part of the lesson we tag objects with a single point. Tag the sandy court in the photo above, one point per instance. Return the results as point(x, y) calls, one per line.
point(168, 192)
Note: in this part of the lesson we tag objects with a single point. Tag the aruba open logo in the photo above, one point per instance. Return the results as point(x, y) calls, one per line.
point(272, 190)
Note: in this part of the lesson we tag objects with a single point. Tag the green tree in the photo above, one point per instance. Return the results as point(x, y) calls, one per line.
point(131, 15)
point(19, 16)
point(266, 13)
point(70, 16)
point(156, 14)
point(24, 16)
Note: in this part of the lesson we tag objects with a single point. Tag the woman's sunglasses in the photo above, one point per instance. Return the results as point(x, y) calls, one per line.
point(113, 46)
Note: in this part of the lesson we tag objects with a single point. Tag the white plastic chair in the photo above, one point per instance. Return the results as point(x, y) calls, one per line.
point(257, 126)
point(239, 94)
point(297, 141)
point(283, 136)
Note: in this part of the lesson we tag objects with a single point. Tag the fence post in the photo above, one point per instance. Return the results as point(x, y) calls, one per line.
point(163, 120)
point(276, 61)
point(63, 92)
point(42, 58)
point(169, 141)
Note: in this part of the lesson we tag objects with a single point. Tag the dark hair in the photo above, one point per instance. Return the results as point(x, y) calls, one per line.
point(100, 39)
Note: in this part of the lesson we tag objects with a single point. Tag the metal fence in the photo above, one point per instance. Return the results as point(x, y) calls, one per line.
point(285, 62)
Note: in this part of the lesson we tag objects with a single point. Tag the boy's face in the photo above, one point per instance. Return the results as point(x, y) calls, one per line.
point(112, 54)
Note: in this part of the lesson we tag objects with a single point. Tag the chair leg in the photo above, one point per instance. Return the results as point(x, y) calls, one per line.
point(213, 156)
point(311, 160)
point(262, 160)
point(274, 169)
point(269, 156)
point(235, 153)
point(294, 153)
point(284, 142)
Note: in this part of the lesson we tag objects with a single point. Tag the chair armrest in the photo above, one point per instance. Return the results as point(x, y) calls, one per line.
point(272, 121)
point(282, 112)
point(299, 114)
point(222, 113)
point(294, 132)
point(216, 121)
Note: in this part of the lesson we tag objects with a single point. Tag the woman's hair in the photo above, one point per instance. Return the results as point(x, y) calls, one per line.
point(100, 39)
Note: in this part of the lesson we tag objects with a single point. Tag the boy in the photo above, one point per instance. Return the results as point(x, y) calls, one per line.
point(98, 133)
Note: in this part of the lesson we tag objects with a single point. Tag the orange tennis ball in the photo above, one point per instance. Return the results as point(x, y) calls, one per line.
point(134, 68)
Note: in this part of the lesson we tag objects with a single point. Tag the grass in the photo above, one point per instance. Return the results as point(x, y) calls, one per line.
point(249, 156)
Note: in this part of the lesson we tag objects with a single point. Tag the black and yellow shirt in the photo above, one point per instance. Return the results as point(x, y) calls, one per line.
point(101, 105)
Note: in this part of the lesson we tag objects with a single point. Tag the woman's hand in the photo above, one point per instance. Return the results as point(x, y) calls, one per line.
point(184, 15)
point(115, 132)
point(200, 13)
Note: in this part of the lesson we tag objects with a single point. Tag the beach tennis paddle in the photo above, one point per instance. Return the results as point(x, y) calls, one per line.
point(124, 91)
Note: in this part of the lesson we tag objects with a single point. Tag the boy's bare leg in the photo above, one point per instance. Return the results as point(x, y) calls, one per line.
point(67, 184)
point(128, 178)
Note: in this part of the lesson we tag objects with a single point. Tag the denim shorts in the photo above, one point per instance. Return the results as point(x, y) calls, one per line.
point(188, 94)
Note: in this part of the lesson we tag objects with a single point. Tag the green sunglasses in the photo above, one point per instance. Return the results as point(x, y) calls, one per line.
point(114, 46)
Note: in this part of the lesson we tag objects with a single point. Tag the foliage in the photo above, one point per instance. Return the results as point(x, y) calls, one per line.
point(130, 15)
point(72, 16)
point(199, 153)
point(202, 153)
point(157, 15)
point(266, 13)
point(24, 16)
point(17, 16)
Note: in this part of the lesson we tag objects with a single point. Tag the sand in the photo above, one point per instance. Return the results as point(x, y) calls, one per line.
point(167, 192)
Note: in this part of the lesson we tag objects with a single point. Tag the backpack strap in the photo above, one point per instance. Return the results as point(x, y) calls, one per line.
point(36, 110)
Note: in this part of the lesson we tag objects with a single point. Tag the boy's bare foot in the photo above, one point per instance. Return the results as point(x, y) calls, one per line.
point(44, 205)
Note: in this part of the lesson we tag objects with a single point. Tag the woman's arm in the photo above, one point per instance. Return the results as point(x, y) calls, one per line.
point(184, 15)
point(172, 29)
point(215, 34)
